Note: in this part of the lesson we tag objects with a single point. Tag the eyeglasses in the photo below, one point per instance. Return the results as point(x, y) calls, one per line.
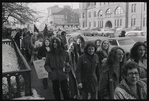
point(131, 74)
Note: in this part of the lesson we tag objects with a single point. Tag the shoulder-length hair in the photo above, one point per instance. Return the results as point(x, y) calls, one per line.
point(133, 52)
point(112, 56)
point(69, 40)
point(102, 45)
point(89, 44)
point(82, 40)
point(75, 51)
point(45, 41)
point(59, 47)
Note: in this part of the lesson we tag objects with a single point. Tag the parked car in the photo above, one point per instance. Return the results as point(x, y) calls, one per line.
point(124, 42)
point(136, 35)
point(90, 32)
point(107, 32)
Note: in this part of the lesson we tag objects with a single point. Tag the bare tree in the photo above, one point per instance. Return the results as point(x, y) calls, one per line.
point(19, 11)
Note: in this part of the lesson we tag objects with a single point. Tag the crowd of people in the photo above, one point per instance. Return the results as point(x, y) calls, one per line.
point(82, 68)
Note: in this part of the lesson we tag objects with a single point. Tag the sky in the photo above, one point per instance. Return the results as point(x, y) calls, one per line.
point(42, 7)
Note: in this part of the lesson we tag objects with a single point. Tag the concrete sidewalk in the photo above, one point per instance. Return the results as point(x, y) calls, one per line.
point(37, 84)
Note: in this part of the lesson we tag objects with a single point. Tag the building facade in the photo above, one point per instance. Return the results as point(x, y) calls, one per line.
point(113, 15)
point(63, 17)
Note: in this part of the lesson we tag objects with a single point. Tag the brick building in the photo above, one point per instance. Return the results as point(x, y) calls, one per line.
point(63, 17)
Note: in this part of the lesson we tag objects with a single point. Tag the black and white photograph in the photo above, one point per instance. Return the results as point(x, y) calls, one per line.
point(74, 50)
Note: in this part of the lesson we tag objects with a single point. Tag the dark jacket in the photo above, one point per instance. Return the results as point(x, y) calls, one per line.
point(42, 51)
point(26, 42)
point(87, 72)
point(55, 64)
point(108, 82)
point(101, 56)
point(17, 39)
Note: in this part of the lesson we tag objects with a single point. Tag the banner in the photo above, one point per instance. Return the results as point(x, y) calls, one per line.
point(40, 70)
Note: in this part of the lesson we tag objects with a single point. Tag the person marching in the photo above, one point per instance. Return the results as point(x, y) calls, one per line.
point(57, 65)
point(87, 72)
point(42, 55)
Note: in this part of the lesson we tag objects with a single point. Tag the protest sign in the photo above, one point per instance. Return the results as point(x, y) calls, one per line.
point(40, 70)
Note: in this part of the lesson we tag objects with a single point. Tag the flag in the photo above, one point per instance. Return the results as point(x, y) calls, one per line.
point(45, 31)
point(35, 29)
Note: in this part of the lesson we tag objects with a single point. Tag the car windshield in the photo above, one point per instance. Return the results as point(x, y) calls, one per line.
point(126, 41)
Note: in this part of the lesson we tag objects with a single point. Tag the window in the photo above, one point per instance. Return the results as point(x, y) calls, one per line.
point(134, 7)
point(94, 13)
point(100, 13)
point(83, 15)
point(134, 23)
point(120, 22)
point(108, 13)
point(133, 20)
point(118, 11)
point(115, 22)
point(83, 24)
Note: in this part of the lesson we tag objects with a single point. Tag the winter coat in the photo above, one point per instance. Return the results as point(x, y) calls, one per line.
point(26, 42)
point(101, 56)
point(87, 72)
point(123, 91)
point(108, 82)
point(55, 64)
point(42, 51)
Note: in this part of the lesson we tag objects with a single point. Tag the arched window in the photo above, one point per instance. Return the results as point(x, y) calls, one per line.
point(108, 13)
point(100, 13)
point(118, 11)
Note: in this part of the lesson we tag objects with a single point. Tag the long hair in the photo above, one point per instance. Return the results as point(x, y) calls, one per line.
point(112, 56)
point(69, 40)
point(45, 41)
point(59, 47)
point(82, 40)
point(102, 46)
point(89, 44)
point(133, 52)
point(74, 51)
